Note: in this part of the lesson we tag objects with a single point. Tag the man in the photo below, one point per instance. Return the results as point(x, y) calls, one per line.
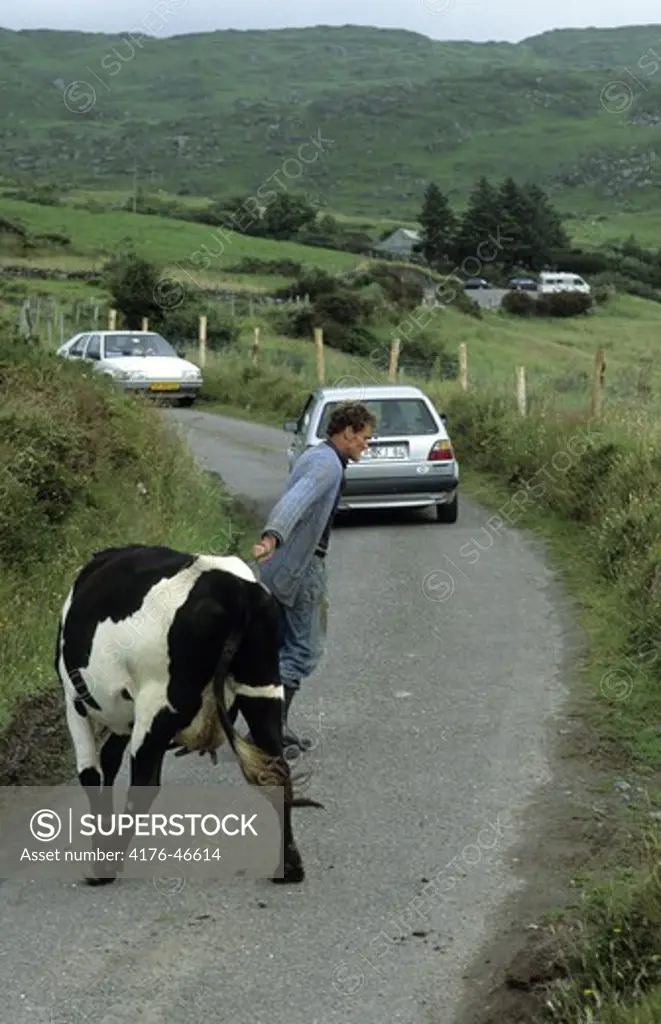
point(295, 542)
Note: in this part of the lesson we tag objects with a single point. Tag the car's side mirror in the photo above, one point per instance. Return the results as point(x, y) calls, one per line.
point(444, 420)
point(290, 426)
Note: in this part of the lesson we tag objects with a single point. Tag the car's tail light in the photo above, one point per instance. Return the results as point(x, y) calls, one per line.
point(441, 451)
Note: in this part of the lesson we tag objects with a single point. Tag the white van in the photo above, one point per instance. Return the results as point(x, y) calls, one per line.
point(561, 281)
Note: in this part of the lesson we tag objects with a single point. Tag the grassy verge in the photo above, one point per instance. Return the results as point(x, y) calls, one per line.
point(590, 490)
point(81, 468)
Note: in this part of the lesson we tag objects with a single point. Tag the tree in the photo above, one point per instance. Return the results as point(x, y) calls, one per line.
point(524, 223)
point(480, 230)
point(286, 215)
point(438, 226)
point(139, 289)
point(547, 227)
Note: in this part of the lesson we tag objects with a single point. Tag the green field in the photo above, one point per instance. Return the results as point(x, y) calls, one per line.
point(173, 243)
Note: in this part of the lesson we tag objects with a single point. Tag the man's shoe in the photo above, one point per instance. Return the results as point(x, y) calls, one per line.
point(289, 738)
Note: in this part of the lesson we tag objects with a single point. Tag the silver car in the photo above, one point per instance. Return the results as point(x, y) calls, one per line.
point(410, 462)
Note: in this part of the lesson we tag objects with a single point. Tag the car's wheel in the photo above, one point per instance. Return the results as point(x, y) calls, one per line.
point(188, 400)
point(448, 512)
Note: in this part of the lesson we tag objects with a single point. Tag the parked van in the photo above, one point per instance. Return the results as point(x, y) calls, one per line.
point(561, 281)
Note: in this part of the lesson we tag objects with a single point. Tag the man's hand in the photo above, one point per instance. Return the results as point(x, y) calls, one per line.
point(265, 548)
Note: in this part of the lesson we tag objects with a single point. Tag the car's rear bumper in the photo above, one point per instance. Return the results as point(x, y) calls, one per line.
point(393, 492)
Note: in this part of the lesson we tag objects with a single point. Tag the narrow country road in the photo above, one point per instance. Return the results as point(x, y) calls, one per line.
point(432, 713)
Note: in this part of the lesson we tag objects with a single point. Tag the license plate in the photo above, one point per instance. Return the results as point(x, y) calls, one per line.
point(166, 386)
point(388, 451)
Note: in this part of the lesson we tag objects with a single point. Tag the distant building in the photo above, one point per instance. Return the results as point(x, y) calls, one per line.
point(399, 244)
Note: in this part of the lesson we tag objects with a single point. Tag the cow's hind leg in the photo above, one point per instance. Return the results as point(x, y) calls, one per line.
point(88, 761)
point(155, 726)
point(264, 718)
point(88, 765)
point(111, 754)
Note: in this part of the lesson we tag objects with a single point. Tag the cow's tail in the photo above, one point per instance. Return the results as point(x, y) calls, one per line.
point(258, 768)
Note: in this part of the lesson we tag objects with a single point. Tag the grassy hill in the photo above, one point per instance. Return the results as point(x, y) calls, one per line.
point(219, 113)
point(94, 237)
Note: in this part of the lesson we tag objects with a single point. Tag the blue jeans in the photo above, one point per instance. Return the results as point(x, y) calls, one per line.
point(304, 642)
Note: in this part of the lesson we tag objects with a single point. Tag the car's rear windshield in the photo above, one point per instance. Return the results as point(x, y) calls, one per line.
point(138, 345)
point(395, 416)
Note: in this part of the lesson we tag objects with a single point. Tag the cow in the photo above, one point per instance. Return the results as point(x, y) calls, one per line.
point(160, 650)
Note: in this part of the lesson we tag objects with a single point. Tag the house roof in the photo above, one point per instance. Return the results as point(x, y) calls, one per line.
point(401, 235)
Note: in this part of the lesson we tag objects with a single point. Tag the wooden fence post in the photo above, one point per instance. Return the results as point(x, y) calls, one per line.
point(112, 319)
point(203, 340)
point(145, 323)
point(61, 328)
point(255, 346)
point(318, 344)
point(521, 389)
point(598, 384)
point(463, 366)
point(394, 361)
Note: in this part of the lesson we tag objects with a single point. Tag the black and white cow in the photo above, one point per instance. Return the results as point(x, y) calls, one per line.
point(160, 649)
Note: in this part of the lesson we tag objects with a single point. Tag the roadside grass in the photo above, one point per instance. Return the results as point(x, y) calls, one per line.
point(590, 490)
point(82, 467)
point(558, 357)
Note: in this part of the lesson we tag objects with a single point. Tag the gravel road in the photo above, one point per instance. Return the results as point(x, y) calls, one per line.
point(433, 715)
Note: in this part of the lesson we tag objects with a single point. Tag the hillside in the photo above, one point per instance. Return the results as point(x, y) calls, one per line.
point(219, 113)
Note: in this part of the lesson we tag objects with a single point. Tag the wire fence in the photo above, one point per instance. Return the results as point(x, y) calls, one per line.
point(534, 388)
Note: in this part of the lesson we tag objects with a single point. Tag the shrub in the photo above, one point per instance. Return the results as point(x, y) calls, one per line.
point(519, 304)
point(314, 282)
point(253, 265)
point(462, 301)
point(563, 304)
point(181, 326)
point(403, 289)
point(578, 261)
point(353, 337)
point(136, 288)
point(618, 282)
point(553, 304)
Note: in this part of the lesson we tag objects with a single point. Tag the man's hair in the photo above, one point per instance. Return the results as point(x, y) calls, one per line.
point(350, 414)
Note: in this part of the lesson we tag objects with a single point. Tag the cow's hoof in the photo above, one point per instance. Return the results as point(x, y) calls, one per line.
point(294, 872)
point(103, 874)
point(100, 879)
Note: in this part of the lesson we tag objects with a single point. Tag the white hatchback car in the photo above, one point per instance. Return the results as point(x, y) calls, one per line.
point(140, 361)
